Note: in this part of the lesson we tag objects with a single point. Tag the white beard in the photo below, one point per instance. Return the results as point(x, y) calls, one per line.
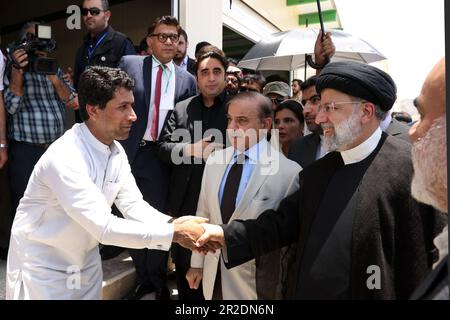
point(344, 133)
point(429, 157)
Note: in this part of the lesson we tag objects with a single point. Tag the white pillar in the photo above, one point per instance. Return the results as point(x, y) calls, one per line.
point(202, 20)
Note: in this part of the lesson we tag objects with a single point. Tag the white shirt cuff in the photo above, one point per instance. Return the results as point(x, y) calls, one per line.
point(161, 239)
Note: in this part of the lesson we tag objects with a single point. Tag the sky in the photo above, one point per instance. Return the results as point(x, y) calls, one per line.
point(410, 33)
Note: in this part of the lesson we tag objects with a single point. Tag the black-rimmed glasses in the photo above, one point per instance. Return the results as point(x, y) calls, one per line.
point(162, 37)
point(276, 101)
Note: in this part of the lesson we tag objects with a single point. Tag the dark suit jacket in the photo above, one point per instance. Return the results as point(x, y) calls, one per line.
point(399, 130)
point(140, 69)
point(185, 114)
point(304, 150)
point(390, 230)
point(191, 66)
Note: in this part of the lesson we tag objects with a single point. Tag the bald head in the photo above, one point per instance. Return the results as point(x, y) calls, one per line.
point(428, 135)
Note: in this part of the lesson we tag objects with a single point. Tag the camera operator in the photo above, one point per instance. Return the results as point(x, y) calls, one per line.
point(36, 105)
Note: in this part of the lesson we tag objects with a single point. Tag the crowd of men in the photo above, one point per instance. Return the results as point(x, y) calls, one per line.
point(180, 154)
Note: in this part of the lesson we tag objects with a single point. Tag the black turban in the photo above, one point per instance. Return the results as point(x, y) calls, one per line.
point(359, 80)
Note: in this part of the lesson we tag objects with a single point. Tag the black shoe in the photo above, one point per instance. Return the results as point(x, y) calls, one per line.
point(138, 292)
point(3, 253)
point(109, 252)
point(162, 293)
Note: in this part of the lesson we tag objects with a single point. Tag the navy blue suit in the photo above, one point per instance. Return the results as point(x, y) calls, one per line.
point(152, 176)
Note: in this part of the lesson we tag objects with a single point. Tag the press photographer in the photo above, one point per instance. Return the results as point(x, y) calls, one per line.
point(34, 47)
point(35, 100)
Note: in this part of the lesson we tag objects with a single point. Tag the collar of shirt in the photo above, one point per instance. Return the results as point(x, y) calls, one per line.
point(184, 63)
point(168, 65)
point(253, 153)
point(386, 122)
point(219, 100)
point(95, 143)
point(363, 150)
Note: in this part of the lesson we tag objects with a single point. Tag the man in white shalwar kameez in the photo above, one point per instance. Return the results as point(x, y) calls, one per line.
point(66, 209)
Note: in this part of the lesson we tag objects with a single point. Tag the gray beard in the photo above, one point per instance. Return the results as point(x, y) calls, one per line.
point(344, 133)
point(429, 157)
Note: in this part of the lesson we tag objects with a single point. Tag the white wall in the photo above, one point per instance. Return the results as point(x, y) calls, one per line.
point(202, 20)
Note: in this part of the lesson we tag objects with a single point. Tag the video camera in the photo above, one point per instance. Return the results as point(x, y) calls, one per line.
point(41, 41)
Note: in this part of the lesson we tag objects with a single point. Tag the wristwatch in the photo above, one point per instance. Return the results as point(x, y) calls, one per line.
point(3, 146)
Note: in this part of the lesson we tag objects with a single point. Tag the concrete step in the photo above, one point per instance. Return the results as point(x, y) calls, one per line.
point(119, 276)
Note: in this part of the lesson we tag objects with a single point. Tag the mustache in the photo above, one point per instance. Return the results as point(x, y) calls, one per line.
point(326, 125)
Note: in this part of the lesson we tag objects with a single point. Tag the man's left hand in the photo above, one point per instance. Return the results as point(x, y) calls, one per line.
point(323, 48)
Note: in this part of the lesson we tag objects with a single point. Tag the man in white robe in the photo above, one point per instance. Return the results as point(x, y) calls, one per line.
point(66, 209)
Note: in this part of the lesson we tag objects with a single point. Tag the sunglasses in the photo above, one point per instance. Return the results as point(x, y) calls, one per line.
point(162, 37)
point(93, 11)
point(276, 101)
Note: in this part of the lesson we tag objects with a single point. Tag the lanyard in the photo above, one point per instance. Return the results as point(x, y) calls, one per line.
point(91, 51)
point(165, 72)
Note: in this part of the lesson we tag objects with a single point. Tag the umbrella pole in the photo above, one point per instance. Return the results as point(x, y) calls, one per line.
point(309, 58)
point(306, 66)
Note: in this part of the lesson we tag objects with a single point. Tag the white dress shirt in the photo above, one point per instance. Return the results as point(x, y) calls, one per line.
point(167, 100)
point(184, 63)
point(66, 212)
point(253, 154)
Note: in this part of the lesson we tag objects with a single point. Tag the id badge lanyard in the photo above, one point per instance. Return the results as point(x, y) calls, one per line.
point(91, 51)
point(168, 75)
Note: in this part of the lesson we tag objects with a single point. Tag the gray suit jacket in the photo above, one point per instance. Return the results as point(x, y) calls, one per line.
point(399, 130)
point(140, 69)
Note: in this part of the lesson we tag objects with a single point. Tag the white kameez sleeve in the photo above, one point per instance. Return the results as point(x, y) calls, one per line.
point(82, 200)
point(131, 204)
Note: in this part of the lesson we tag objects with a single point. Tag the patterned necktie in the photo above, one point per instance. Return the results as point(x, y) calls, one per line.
point(155, 111)
point(231, 188)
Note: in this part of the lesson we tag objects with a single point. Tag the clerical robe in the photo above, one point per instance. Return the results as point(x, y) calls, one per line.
point(383, 236)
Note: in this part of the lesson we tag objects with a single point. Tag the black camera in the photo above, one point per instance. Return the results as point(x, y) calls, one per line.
point(32, 44)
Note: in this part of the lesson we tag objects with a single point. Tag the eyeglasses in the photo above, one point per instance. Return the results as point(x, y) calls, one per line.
point(315, 99)
point(331, 106)
point(276, 101)
point(162, 37)
point(93, 11)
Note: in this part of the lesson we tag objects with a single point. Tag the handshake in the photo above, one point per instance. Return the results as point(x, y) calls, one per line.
point(196, 234)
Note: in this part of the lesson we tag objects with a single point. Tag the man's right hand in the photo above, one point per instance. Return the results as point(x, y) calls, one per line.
point(20, 58)
point(194, 276)
point(202, 148)
point(187, 230)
